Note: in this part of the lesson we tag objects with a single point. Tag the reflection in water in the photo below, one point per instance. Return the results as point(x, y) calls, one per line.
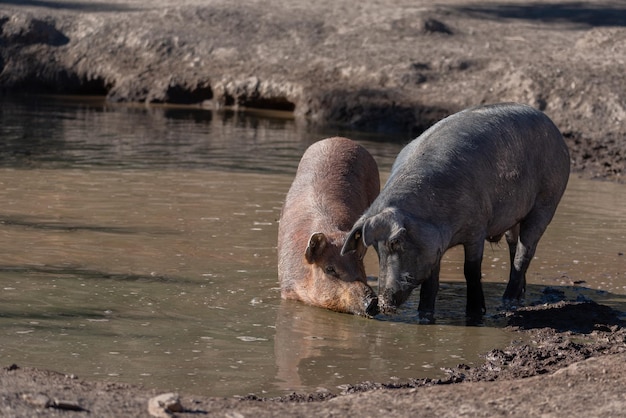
point(315, 348)
point(139, 244)
point(53, 133)
point(97, 134)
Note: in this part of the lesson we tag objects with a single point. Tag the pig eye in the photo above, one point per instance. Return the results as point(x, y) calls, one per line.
point(330, 270)
point(395, 245)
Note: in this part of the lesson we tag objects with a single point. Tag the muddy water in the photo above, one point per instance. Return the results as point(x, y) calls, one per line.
point(138, 245)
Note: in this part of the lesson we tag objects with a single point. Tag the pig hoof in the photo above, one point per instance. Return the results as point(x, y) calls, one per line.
point(474, 321)
point(475, 311)
point(426, 317)
point(511, 304)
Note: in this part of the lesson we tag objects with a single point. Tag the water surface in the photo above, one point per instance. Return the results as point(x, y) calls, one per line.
point(139, 245)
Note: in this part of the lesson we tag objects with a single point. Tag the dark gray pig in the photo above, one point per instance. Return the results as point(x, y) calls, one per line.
point(337, 179)
point(474, 176)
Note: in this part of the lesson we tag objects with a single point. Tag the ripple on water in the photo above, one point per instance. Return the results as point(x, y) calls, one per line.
point(248, 339)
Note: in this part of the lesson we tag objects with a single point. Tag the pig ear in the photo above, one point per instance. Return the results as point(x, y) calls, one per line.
point(355, 242)
point(385, 226)
point(317, 243)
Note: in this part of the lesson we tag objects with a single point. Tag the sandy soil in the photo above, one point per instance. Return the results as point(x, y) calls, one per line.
point(367, 66)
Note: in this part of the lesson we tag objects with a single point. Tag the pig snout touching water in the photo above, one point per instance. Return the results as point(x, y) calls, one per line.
point(474, 176)
point(337, 179)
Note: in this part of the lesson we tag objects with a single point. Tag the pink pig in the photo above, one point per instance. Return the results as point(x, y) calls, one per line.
point(336, 181)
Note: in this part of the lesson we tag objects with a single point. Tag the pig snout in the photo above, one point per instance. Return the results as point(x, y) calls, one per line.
point(394, 293)
point(387, 303)
point(371, 305)
point(363, 301)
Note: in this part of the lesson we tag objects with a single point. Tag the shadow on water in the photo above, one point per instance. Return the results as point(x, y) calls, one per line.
point(567, 308)
point(70, 271)
point(52, 313)
point(55, 225)
point(579, 13)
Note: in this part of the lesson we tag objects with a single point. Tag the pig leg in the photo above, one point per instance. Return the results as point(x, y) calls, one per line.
point(512, 236)
point(472, 270)
point(512, 239)
point(530, 230)
point(428, 295)
point(516, 287)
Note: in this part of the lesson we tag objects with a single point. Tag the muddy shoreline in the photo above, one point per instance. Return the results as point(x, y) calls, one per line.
point(370, 67)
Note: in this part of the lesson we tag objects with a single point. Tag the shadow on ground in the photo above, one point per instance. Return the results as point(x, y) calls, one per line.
point(88, 6)
point(581, 13)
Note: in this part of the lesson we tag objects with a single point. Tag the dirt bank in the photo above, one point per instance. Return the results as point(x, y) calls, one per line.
point(370, 66)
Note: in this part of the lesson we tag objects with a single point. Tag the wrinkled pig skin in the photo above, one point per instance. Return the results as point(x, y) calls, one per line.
point(336, 181)
point(474, 176)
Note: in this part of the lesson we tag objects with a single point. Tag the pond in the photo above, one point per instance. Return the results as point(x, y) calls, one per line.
point(139, 245)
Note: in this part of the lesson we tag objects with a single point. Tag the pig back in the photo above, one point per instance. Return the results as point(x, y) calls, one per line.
point(485, 159)
point(336, 181)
